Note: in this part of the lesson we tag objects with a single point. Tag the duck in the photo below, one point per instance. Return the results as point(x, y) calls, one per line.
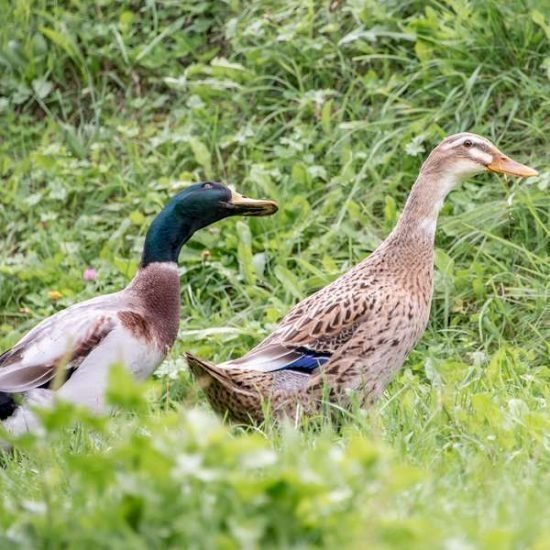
point(68, 355)
point(347, 341)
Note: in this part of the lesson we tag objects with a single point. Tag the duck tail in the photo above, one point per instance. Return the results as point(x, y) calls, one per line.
point(228, 394)
point(206, 372)
point(8, 404)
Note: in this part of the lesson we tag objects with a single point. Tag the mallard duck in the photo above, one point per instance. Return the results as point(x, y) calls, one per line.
point(352, 336)
point(135, 327)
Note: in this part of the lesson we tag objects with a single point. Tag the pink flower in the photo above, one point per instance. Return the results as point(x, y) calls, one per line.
point(90, 274)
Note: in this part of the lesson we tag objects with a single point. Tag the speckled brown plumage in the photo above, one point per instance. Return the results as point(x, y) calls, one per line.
point(370, 317)
point(354, 335)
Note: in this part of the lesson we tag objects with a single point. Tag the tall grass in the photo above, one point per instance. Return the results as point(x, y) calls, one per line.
point(109, 107)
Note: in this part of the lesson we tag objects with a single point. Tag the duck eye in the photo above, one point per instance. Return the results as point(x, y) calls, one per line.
point(468, 143)
point(207, 186)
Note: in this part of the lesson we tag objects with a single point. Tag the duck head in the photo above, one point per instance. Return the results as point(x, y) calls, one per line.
point(192, 209)
point(207, 202)
point(464, 155)
point(456, 158)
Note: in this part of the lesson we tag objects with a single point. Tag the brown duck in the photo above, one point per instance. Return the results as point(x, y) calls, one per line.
point(353, 336)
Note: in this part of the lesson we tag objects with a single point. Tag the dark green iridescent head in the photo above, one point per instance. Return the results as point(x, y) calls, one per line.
point(192, 209)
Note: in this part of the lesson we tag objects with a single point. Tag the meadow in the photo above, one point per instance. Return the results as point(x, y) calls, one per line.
point(108, 108)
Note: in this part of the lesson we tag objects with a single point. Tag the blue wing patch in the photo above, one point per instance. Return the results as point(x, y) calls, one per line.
point(307, 362)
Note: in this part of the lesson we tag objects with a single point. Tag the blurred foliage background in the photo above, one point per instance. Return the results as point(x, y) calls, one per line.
point(107, 108)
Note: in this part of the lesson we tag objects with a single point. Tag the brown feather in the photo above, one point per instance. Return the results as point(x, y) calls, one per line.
point(368, 320)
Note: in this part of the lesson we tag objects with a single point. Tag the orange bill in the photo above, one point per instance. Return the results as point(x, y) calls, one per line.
point(505, 165)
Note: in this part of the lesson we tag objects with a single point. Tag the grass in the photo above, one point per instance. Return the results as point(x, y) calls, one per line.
point(108, 108)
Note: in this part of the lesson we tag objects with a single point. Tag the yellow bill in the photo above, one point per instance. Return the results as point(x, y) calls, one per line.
point(251, 207)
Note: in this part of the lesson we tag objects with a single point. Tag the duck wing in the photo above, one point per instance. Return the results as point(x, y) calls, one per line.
point(314, 329)
point(62, 340)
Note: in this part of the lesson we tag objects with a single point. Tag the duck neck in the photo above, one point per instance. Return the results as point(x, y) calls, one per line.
point(167, 234)
point(156, 289)
point(156, 285)
point(419, 218)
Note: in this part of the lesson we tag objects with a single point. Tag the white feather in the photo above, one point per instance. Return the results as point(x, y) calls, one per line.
point(266, 359)
point(46, 345)
point(87, 386)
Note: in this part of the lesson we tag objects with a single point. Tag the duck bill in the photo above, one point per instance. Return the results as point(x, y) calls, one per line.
point(505, 165)
point(251, 207)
